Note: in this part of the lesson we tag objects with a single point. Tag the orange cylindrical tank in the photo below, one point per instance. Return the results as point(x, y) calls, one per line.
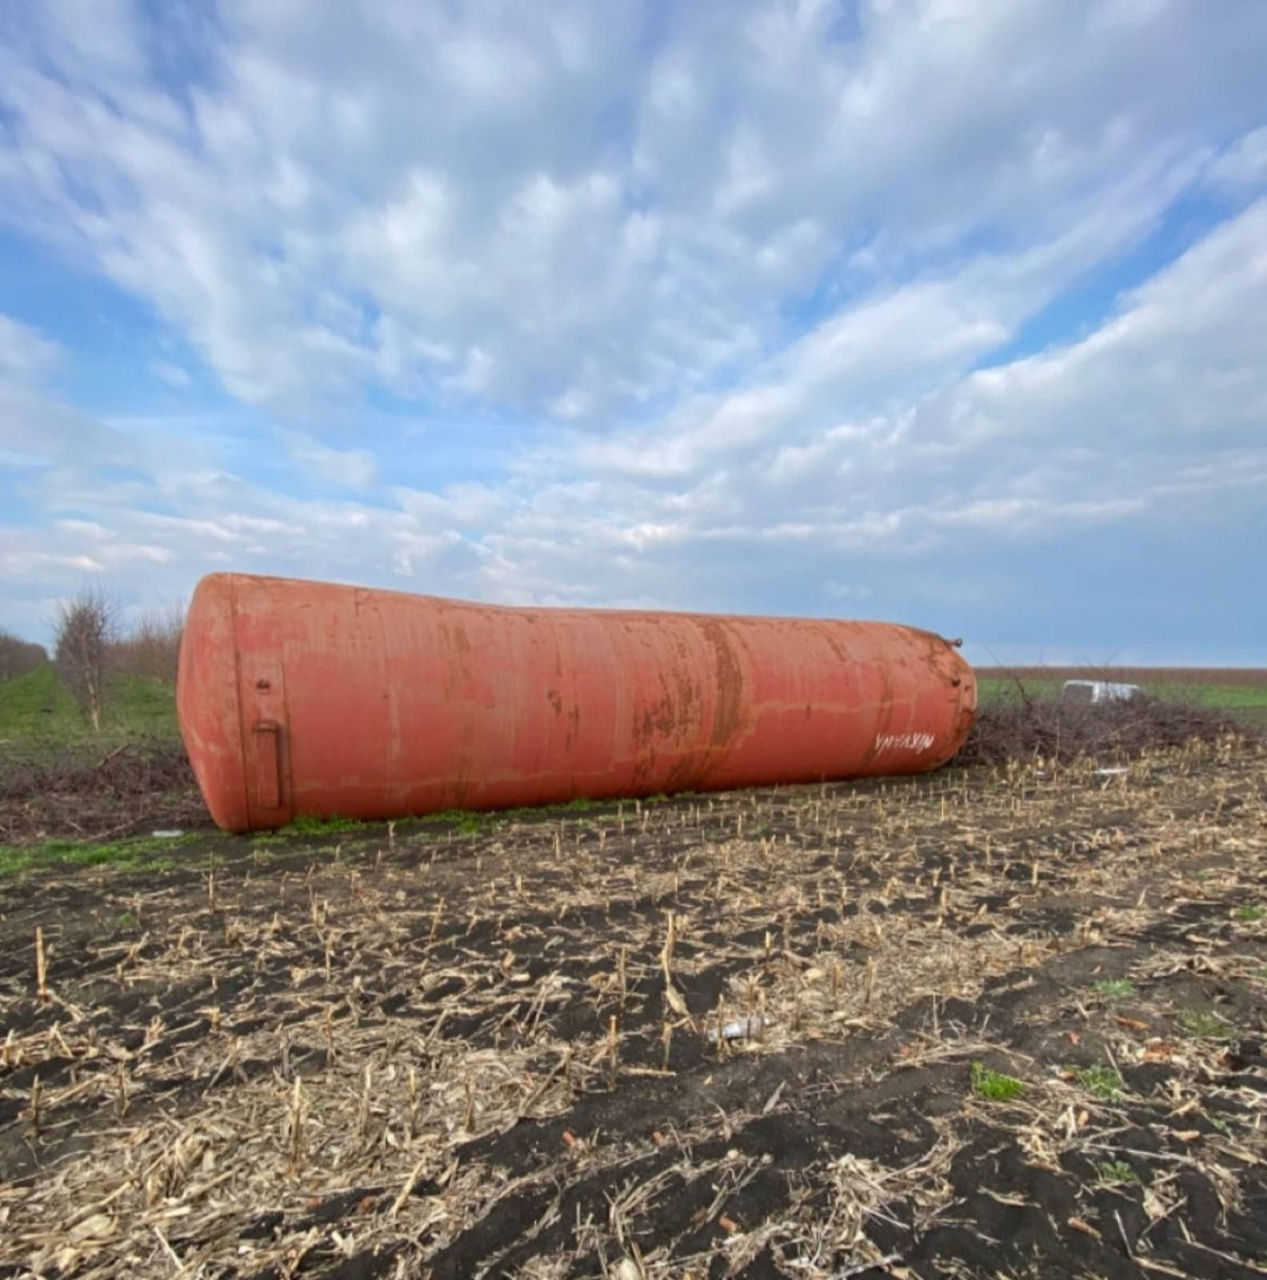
point(310, 698)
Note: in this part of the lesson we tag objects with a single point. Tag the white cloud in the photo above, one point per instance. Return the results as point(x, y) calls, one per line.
point(737, 276)
point(528, 211)
point(347, 468)
point(25, 353)
point(1243, 166)
point(36, 428)
point(172, 374)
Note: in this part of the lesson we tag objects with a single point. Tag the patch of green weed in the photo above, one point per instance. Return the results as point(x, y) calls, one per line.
point(307, 824)
point(1250, 913)
point(1116, 1172)
point(1115, 988)
point(994, 1085)
point(77, 853)
point(13, 860)
point(1104, 1082)
point(1203, 1025)
point(467, 822)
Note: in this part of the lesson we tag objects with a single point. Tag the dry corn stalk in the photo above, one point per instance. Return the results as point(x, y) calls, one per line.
point(295, 1128)
point(41, 965)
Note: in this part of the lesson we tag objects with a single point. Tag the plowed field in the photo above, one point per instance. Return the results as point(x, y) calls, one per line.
point(988, 1023)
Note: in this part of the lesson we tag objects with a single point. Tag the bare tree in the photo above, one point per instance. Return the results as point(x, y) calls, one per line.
point(17, 656)
point(84, 630)
point(152, 646)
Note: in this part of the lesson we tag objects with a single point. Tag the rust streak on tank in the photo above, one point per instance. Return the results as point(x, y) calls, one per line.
point(729, 678)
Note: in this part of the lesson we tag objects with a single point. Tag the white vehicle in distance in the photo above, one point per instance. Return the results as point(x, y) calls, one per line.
point(1094, 691)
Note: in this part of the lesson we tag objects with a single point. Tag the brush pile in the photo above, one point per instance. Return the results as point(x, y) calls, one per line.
point(1024, 727)
point(52, 791)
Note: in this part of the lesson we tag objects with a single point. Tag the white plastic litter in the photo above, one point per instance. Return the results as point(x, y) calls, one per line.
point(741, 1029)
point(1099, 691)
point(167, 835)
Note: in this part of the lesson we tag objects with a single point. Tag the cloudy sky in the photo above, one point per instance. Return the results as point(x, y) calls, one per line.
point(947, 312)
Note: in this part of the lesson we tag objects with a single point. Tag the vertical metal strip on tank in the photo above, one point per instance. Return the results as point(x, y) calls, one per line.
point(268, 764)
point(262, 695)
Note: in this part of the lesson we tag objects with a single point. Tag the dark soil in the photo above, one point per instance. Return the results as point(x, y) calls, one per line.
point(435, 1051)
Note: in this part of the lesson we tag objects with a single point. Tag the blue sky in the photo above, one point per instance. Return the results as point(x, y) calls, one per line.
point(943, 312)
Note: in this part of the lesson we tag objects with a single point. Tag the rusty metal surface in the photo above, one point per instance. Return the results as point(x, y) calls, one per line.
point(303, 697)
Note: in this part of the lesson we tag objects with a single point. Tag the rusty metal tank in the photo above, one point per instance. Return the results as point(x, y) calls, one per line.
point(317, 699)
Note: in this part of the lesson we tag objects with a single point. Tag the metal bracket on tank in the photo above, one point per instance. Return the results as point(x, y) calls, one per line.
point(268, 763)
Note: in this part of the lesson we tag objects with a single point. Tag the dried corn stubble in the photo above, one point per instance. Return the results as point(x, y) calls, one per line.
point(456, 1024)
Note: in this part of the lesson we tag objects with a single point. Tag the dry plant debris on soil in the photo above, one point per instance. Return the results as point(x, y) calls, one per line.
point(86, 792)
point(996, 1022)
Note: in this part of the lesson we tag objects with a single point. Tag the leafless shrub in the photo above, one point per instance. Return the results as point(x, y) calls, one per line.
point(73, 792)
point(17, 656)
point(1026, 726)
point(136, 769)
point(151, 648)
point(84, 629)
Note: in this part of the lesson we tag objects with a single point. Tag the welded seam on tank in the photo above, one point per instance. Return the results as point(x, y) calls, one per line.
point(239, 708)
point(285, 784)
point(393, 707)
